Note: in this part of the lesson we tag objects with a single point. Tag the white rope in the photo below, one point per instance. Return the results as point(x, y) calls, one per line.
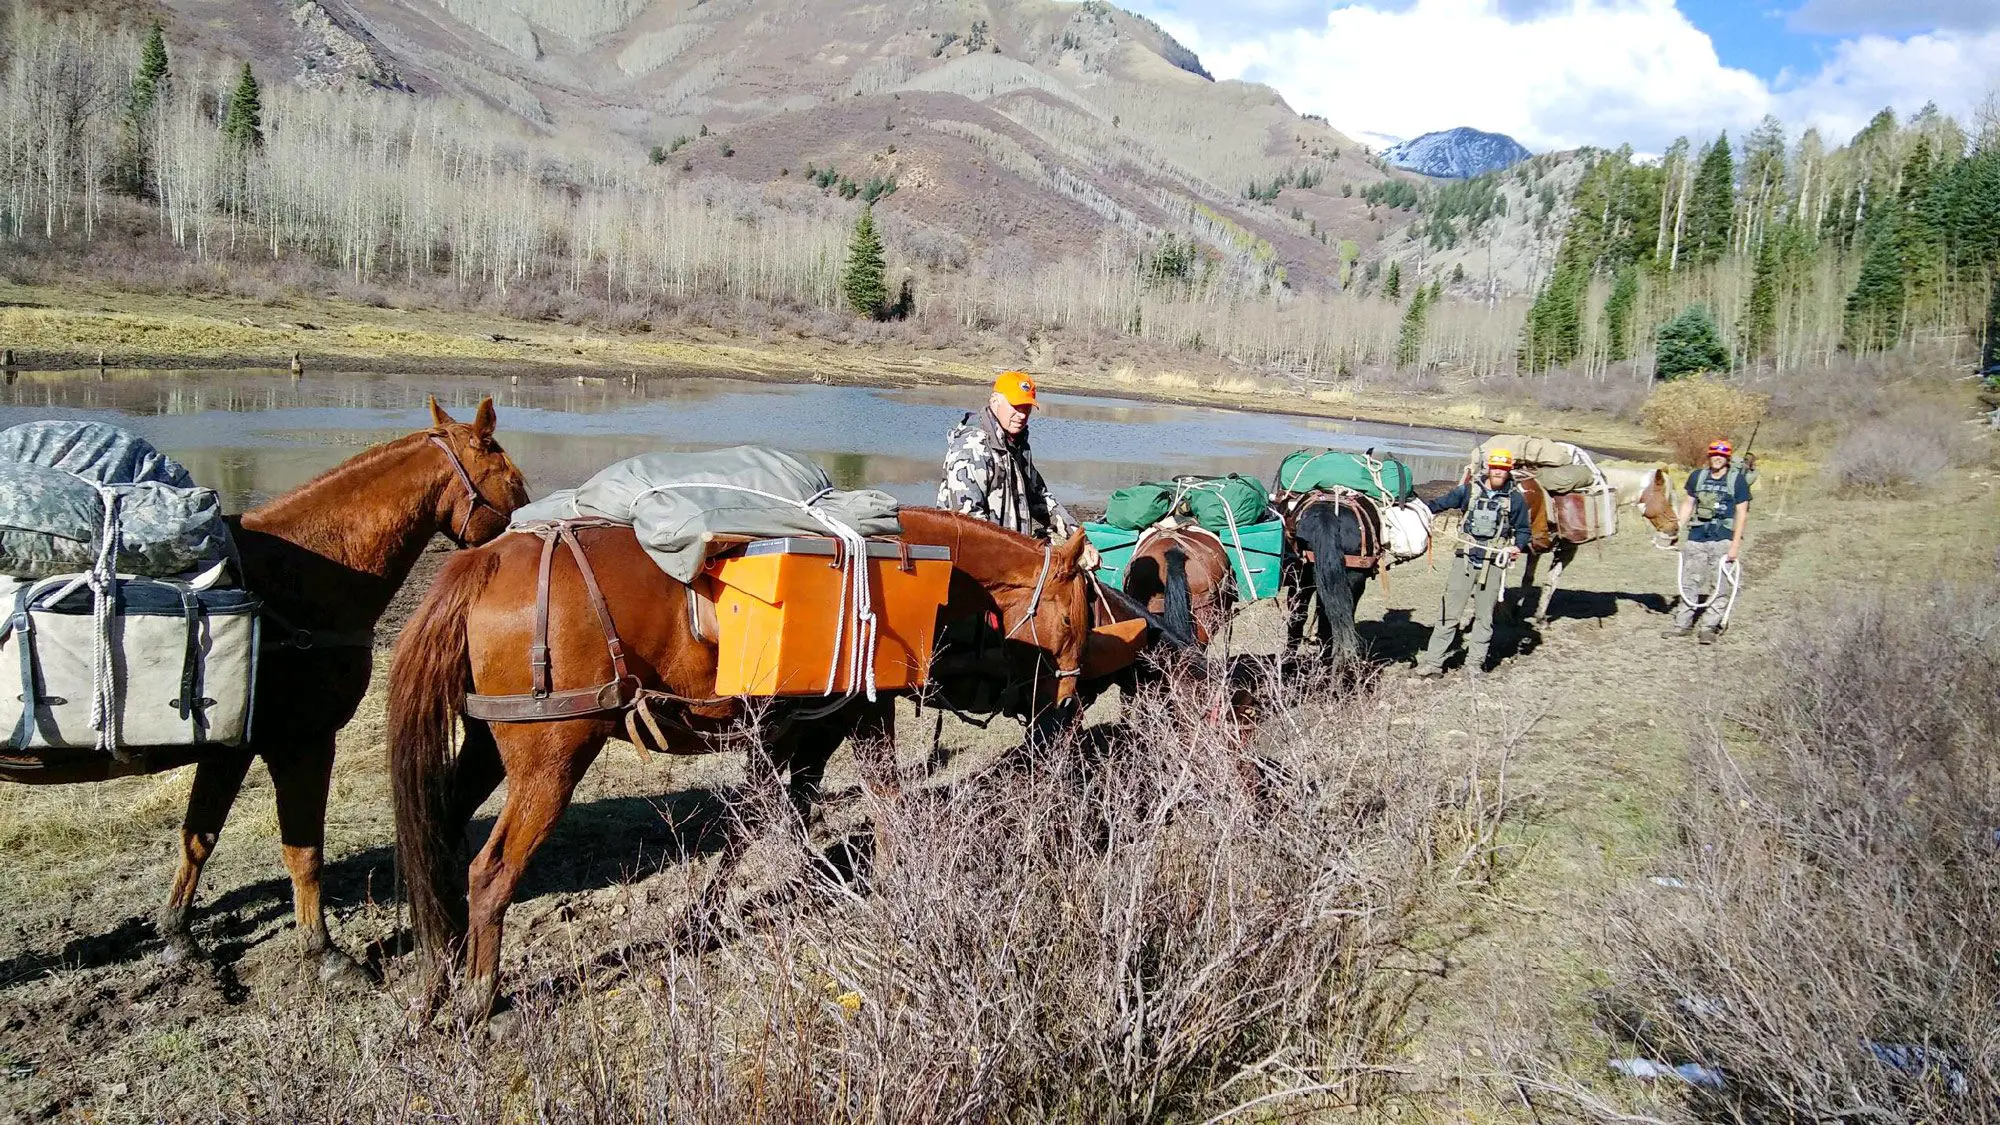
point(1728, 583)
point(1185, 485)
point(858, 644)
point(103, 580)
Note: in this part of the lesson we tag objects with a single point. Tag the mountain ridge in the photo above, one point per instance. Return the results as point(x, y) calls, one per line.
point(1457, 154)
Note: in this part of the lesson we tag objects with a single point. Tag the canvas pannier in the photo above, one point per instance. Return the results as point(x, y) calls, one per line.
point(1585, 516)
point(1406, 529)
point(1226, 503)
point(177, 670)
point(1531, 452)
point(1307, 471)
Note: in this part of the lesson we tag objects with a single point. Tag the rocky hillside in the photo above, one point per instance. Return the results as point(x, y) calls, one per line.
point(1007, 127)
point(1457, 154)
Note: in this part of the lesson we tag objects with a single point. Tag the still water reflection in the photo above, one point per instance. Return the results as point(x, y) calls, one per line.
point(255, 433)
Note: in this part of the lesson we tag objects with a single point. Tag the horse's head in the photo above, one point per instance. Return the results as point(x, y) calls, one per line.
point(481, 485)
point(1656, 504)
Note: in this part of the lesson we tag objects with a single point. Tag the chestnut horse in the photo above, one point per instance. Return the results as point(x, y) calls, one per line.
point(1647, 490)
point(326, 558)
point(473, 632)
point(1182, 574)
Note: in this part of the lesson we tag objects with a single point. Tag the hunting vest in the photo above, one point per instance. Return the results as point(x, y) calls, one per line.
point(1715, 499)
point(1486, 513)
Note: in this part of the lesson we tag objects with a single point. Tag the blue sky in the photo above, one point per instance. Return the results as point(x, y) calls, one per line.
point(1560, 73)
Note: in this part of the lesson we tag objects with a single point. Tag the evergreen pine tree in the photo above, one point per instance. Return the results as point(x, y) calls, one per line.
point(1618, 310)
point(1712, 207)
point(243, 123)
point(1410, 341)
point(1554, 332)
point(1875, 309)
point(1760, 315)
point(1689, 345)
point(1392, 286)
point(151, 80)
point(863, 281)
point(135, 166)
point(1990, 365)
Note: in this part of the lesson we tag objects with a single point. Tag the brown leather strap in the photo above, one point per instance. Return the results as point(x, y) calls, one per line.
point(543, 703)
point(474, 500)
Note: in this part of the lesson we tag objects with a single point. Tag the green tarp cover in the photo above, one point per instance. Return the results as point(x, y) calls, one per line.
point(1216, 503)
point(1384, 479)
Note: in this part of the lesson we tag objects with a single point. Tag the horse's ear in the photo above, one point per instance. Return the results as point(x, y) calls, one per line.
point(1068, 557)
point(482, 419)
point(438, 417)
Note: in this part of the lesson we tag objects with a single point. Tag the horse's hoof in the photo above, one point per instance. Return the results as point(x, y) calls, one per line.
point(337, 968)
point(180, 952)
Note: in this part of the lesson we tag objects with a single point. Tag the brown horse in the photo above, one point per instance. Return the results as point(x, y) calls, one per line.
point(1645, 489)
point(1025, 603)
point(326, 558)
point(1183, 575)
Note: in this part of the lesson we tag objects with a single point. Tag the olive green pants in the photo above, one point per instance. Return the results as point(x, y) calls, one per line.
point(1483, 583)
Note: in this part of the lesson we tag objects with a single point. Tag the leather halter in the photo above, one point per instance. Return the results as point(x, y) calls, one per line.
point(475, 500)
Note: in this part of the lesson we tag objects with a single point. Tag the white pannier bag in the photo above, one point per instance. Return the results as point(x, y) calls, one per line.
point(1406, 529)
point(167, 664)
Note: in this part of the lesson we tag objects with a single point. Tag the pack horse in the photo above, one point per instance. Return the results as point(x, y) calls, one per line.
point(317, 568)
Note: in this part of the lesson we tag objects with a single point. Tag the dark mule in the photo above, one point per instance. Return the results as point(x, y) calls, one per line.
point(473, 634)
point(1183, 576)
point(1336, 538)
point(1647, 490)
point(326, 558)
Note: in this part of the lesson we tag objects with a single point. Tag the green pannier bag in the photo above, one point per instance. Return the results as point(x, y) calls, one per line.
point(1139, 506)
point(1386, 479)
point(1226, 502)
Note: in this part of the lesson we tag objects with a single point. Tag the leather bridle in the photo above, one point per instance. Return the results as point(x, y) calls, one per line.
point(475, 501)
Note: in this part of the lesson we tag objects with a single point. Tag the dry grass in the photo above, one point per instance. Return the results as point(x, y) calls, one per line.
point(1903, 453)
point(1123, 930)
point(1833, 953)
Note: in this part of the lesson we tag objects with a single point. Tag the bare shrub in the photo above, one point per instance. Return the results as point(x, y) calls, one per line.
point(1398, 380)
point(1832, 956)
point(1903, 453)
point(1687, 414)
point(1143, 925)
point(1617, 391)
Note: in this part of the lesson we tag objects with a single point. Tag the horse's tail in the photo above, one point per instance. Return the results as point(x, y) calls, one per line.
point(1323, 528)
point(1179, 609)
point(427, 686)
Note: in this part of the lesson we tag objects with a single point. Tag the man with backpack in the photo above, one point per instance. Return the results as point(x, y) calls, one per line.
point(1713, 516)
point(1498, 529)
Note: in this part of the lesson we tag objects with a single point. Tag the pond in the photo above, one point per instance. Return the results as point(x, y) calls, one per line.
point(253, 434)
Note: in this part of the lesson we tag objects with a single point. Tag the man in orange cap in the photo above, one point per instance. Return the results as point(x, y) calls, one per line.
point(989, 471)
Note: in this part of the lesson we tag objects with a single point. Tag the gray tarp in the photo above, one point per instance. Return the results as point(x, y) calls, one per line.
point(671, 522)
point(55, 479)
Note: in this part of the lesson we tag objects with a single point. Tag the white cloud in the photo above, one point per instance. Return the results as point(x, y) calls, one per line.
point(1846, 17)
point(1574, 72)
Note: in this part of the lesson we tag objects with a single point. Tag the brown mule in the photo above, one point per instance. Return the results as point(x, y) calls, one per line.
point(1183, 575)
point(326, 558)
point(474, 632)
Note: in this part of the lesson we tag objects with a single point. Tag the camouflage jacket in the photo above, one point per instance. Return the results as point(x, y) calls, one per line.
point(992, 476)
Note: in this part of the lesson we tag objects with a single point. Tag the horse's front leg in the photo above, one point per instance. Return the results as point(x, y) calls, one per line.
point(301, 777)
point(217, 780)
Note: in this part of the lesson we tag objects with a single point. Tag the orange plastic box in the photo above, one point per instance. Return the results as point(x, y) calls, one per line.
point(777, 610)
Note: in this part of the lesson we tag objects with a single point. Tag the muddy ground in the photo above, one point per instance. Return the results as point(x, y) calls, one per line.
point(1591, 717)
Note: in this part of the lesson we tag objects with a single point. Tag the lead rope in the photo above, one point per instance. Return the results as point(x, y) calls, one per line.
point(1728, 577)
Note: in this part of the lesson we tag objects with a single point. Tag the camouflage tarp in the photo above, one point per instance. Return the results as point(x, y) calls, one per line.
point(56, 479)
point(673, 500)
